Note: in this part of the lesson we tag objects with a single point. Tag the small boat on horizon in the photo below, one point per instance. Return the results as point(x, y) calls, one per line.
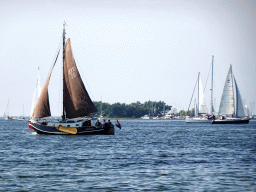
point(146, 117)
point(6, 115)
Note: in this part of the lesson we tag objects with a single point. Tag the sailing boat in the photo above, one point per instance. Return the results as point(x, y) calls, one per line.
point(201, 110)
point(76, 103)
point(202, 107)
point(231, 108)
point(38, 91)
point(7, 117)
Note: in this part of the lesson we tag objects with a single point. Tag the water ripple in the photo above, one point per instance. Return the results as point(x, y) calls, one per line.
point(145, 155)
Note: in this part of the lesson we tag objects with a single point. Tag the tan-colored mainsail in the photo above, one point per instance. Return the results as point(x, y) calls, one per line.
point(77, 102)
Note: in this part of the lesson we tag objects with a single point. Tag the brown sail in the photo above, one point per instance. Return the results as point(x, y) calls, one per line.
point(76, 100)
point(42, 108)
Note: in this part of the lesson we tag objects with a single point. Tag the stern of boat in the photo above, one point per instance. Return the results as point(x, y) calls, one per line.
point(110, 129)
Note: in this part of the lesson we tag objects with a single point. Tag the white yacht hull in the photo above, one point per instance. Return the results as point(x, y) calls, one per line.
point(197, 120)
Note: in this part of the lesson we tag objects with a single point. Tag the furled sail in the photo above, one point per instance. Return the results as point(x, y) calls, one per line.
point(76, 100)
point(227, 99)
point(240, 110)
point(42, 108)
point(202, 102)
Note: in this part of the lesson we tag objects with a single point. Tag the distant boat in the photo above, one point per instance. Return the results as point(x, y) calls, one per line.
point(150, 113)
point(7, 117)
point(146, 117)
point(201, 111)
point(101, 112)
point(76, 103)
point(231, 110)
point(22, 118)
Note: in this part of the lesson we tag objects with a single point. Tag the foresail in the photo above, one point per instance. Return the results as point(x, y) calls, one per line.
point(77, 102)
point(227, 99)
point(202, 102)
point(240, 110)
point(42, 108)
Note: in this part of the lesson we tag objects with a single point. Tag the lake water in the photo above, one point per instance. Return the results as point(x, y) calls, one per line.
point(145, 155)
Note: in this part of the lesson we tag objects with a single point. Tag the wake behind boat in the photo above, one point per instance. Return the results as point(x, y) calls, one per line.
point(77, 104)
point(231, 110)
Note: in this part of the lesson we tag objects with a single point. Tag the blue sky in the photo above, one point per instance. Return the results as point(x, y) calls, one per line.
point(128, 51)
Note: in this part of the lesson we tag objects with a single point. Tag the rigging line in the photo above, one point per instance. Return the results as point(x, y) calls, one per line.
point(207, 78)
point(56, 54)
point(60, 80)
point(192, 94)
point(60, 46)
point(56, 58)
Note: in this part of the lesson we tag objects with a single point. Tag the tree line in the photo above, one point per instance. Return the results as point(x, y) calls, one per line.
point(133, 110)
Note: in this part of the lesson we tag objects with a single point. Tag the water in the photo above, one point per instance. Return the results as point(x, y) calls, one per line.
point(145, 155)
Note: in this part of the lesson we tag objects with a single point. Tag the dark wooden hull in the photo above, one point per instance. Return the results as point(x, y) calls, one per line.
point(86, 130)
point(231, 121)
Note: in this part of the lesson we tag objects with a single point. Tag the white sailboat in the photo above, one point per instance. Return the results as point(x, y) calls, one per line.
point(38, 91)
point(201, 111)
point(7, 117)
point(231, 108)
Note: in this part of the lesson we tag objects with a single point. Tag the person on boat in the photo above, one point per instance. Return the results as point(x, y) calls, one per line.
point(98, 123)
point(104, 122)
point(109, 122)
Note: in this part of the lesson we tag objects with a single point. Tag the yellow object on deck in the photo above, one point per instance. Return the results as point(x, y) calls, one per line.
point(67, 129)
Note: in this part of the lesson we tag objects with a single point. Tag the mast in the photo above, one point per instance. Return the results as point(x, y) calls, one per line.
point(198, 92)
point(212, 88)
point(7, 109)
point(64, 33)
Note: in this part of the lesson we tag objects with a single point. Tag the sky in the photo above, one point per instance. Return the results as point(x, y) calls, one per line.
point(128, 51)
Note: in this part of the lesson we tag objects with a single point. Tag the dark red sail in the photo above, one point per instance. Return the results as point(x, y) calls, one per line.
point(76, 100)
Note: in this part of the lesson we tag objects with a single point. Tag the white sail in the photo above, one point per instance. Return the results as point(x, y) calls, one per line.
point(196, 109)
point(227, 99)
point(240, 110)
point(33, 103)
point(38, 91)
point(202, 102)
